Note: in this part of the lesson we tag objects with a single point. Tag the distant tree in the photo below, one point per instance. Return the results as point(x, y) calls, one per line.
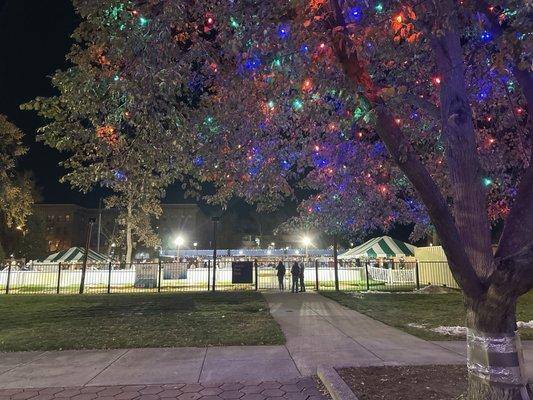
point(113, 137)
point(34, 245)
point(15, 190)
point(2, 253)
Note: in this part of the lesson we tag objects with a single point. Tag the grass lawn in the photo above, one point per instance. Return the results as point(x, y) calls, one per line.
point(44, 322)
point(429, 310)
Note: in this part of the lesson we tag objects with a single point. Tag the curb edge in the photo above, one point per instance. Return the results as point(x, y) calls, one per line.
point(337, 388)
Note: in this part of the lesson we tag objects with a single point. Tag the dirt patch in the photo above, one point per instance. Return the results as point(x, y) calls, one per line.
point(432, 382)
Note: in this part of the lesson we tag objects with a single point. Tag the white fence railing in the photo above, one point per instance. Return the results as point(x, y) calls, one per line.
point(392, 276)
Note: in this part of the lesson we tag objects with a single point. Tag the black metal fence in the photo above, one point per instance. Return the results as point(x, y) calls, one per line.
point(192, 276)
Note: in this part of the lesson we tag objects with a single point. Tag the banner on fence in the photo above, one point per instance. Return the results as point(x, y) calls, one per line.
point(242, 272)
point(146, 276)
point(174, 271)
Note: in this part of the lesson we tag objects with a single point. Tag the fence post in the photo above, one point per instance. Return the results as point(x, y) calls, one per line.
point(316, 275)
point(256, 275)
point(159, 275)
point(8, 277)
point(417, 276)
point(367, 280)
point(336, 263)
point(215, 222)
point(109, 270)
point(208, 275)
point(58, 278)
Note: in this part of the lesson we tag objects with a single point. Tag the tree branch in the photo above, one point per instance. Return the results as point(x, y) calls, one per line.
point(464, 170)
point(405, 156)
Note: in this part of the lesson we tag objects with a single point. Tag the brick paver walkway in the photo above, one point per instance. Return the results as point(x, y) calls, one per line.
point(296, 389)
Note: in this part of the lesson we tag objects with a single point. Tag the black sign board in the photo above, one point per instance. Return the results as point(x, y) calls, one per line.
point(242, 272)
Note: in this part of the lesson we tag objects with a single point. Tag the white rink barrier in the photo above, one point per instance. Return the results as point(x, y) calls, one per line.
point(127, 277)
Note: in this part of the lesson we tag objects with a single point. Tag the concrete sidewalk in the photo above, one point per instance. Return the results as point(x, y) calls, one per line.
point(146, 366)
point(321, 331)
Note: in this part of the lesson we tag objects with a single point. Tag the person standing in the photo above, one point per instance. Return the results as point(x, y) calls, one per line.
point(302, 277)
point(295, 272)
point(281, 275)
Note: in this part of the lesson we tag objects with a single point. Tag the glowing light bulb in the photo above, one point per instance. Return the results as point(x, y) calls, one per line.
point(297, 104)
point(143, 21)
point(487, 181)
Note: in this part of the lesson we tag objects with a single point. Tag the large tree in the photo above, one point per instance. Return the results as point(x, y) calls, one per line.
point(392, 112)
point(116, 124)
point(15, 189)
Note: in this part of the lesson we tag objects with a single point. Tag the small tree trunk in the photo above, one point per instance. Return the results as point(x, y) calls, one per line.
point(492, 343)
point(129, 239)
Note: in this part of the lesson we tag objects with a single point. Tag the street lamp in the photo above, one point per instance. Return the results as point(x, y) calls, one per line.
point(306, 240)
point(195, 244)
point(179, 241)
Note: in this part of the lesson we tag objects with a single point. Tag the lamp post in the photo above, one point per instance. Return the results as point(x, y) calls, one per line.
point(179, 241)
point(306, 240)
point(86, 254)
point(195, 244)
point(99, 225)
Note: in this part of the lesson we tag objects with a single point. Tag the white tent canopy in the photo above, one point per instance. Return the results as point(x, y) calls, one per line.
point(380, 247)
point(75, 255)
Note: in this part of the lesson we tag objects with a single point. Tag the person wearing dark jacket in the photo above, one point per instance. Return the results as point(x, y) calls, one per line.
point(295, 272)
point(281, 275)
point(302, 277)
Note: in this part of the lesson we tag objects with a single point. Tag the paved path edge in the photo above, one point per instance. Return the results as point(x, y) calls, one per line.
point(337, 388)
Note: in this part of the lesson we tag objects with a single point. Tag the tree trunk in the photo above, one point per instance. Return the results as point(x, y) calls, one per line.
point(129, 239)
point(495, 358)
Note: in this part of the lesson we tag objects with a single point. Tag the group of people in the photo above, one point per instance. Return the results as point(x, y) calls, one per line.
point(298, 277)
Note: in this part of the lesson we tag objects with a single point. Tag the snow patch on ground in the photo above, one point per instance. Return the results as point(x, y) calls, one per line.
point(450, 330)
point(458, 330)
point(415, 325)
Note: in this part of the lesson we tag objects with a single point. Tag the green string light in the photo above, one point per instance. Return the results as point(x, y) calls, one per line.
point(297, 104)
point(487, 181)
point(143, 22)
point(233, 22)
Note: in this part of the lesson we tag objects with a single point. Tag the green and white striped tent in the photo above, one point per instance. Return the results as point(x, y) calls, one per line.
point(380, 247)
point(74, 255)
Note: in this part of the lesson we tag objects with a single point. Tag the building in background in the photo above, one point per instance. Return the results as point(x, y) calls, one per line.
point(66, 226)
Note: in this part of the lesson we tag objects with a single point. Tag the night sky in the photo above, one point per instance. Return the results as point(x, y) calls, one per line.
point(34, 38)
